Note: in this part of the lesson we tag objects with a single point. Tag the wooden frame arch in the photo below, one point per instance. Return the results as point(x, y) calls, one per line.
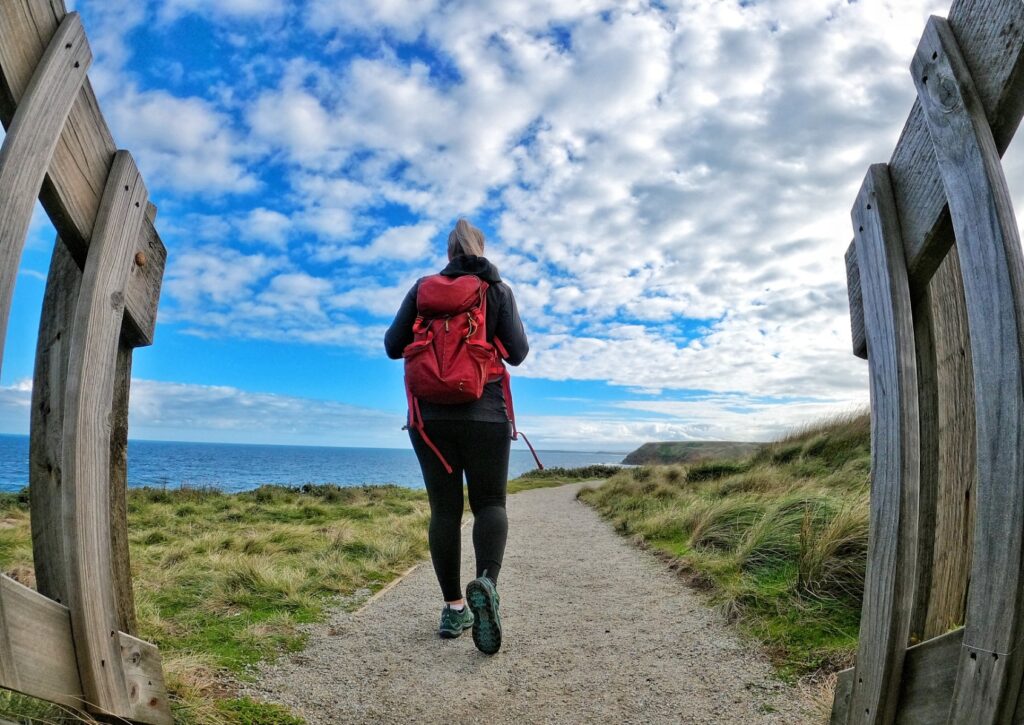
point(945, 333)
point(73, 641)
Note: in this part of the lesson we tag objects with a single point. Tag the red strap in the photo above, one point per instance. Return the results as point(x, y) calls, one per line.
point(530, 445)
point(416, 424)
point(506, 387)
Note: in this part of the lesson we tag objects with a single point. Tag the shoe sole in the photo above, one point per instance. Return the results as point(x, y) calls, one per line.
point(486, 624)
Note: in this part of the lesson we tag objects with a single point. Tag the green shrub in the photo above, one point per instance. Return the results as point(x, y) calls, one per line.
point(714, 470)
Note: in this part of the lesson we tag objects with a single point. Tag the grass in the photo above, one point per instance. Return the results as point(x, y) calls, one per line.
point(559, 476)
point(225, 581)
point(778, 539)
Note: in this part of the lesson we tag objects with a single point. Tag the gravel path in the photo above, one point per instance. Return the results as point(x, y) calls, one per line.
point(595, 630)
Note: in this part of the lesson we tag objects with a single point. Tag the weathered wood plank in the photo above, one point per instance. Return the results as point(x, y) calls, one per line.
point(81, 161)
point(895, 452)
point(47, 423)
point(30, 142)
point(39, 642)
point(954, 506)
point(990, 666)
point(92, 366)
point(929, 671)
point(989, 32)
point(124, 595)
point(860, 343)
point(46, 444)
point(928, 480)
point(929, 674)
point(841, 698)
point(145, 677)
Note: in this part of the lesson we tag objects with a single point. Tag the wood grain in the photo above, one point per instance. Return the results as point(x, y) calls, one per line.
point(992, 265)
point(928, 480)
point(92, 366)
point(40, 642)
point(145, 679)
point(124, 595)
point(29, 145)
point(895, 459)
point(929, 671)
point(47, 423)
point(81, 160)
point(860, 343)
point(989, 32)
point(955, 492)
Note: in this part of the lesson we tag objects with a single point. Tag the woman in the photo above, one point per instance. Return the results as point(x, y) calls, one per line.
point(474, 438)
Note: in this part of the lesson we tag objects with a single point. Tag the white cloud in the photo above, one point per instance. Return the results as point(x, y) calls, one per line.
point(223, 9)
point(670, 183)
point(15, 407)
point(178, 411)
point(266, 225)
point(164, 410)
point(402, 243)
point(185, 144)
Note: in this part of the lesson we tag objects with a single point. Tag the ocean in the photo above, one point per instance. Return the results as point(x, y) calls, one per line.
point(241, 467)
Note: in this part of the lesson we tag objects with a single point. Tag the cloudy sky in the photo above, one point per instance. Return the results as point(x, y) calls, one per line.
point(665, 184)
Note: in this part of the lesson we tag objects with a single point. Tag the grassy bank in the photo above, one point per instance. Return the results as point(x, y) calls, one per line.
point(778, 539)
point(224, 581)
point(559, 476)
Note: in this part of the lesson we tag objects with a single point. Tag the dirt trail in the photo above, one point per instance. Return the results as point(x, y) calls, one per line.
point(595, 631)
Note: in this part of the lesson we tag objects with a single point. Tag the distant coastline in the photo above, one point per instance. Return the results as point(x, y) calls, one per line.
point(669, 452)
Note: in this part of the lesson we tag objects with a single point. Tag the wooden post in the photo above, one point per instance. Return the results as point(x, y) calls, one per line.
point(955, 485)
point(991, 661)
point(46, 441)
point(895, 465)
point(92, 366)
point(30, 142)
point(990, 30)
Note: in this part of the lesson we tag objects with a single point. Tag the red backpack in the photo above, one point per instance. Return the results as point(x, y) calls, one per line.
point(450, 360)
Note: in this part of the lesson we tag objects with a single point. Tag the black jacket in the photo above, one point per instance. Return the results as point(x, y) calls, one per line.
point(502, 322)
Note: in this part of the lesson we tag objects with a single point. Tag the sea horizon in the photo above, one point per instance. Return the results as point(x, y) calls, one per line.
point(234, 467)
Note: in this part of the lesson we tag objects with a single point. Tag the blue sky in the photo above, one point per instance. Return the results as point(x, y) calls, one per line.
point(666, 186)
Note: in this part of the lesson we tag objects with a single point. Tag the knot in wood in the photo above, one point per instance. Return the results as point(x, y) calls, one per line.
point(140, 259)
point(117, 300)
point(946, 94)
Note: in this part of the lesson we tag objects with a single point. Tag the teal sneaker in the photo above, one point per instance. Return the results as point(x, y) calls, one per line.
point(454, 621)
point(484, 600)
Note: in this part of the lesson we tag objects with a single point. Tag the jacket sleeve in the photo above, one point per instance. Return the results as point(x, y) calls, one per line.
point(400, 333)
point(510, 329)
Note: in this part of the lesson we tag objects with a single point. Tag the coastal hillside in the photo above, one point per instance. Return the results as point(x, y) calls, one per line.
point(668, 452)
point(778, 539)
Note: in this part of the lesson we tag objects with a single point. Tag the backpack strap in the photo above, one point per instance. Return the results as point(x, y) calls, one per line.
point(416, 424)
point(506, 389)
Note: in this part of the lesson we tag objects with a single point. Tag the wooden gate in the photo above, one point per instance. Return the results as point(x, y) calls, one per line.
point(73, 642)
point(936, 282)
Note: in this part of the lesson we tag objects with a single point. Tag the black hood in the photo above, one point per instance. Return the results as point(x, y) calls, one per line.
point(468, 264)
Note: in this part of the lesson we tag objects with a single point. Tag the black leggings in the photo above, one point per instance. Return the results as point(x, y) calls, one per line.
point(481, 451)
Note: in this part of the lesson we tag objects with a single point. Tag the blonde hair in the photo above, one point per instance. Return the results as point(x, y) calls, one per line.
point(465, 240)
